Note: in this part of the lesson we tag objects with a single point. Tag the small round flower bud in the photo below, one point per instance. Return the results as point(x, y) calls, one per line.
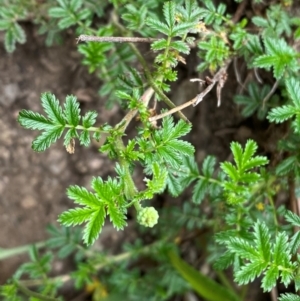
point(147, 217)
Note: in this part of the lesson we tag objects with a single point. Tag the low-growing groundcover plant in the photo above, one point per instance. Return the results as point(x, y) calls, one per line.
point(249, 234)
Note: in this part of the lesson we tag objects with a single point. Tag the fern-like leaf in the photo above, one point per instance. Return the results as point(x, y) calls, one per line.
point(57, 120)
point(72, 111)
point(289, 297)
point(237, 187)
point(279, 56)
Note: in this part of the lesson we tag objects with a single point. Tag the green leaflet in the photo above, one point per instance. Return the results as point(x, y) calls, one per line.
point(69, 12)
point(107, 200)
point(289, 297)
point(58, 120)
point(264, 257)
point(285, 112)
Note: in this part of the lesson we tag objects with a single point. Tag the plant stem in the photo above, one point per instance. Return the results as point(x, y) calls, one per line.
point(6, 253)
point(110, 260)
point(90, 129)
point(30, 293)
point(271, 92)
point(210, 180)
point(174, 110)
point(131, 114)
point(147, 72)
point(151, 82)
point(274, 212)
point(148, 75)
point(219, 77)
point(244, 291)
point(224, 280)
point(130, 189)
point(137, 206)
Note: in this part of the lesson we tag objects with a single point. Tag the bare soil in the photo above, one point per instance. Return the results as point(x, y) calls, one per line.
point(33, 185)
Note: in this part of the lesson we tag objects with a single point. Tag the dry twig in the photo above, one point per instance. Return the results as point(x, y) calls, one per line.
point(130, 40)
point(220, 78)
point(85, 38)
point(271, 92)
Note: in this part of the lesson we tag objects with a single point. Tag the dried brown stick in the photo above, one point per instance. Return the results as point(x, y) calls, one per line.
point(131, 40)
point(220, 78)
point(237, 74)
point(271, 92)
point(145, 98)
point(85, 38)
point(274, 294)
point(239, 12)
point(174, 110)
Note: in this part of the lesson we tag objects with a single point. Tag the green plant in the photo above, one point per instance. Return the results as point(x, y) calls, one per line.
point(247, 230)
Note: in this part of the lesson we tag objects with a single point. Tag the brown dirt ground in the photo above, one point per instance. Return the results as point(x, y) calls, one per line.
point(33, 185)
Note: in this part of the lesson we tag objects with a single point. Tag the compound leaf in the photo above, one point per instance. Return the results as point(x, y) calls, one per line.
point(279, 56)
point(169, 13)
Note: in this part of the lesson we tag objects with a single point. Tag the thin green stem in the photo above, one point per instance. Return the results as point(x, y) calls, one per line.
point(132, 113)
point(239, 216)
point(224, 280)
point(6, 253)
point(210, 180)
point(137, 206)
point(82, 25)
point(243, 291)
point(152, 83)
point(90, 129)
point(147, 72)
point(166, 53)
point(274, 212)
point(130, 189)
point(33, 294)
point(110, 260)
